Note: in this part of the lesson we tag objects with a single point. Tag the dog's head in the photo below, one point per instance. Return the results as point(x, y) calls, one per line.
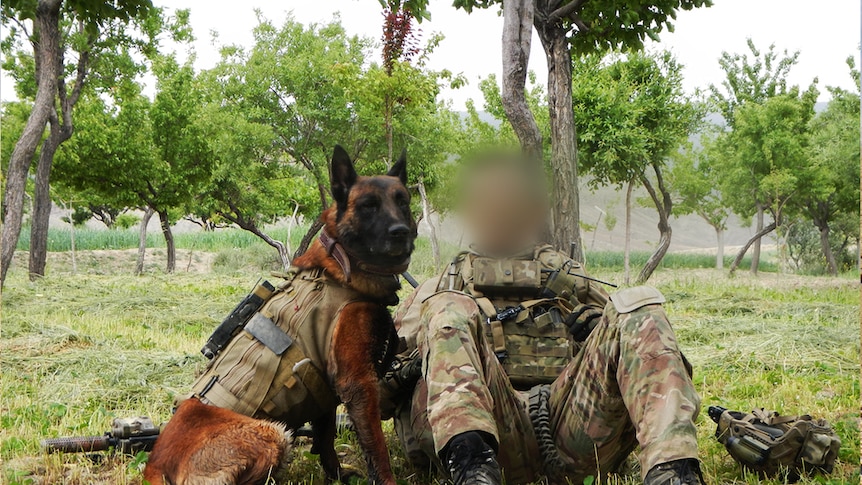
point(373, 220)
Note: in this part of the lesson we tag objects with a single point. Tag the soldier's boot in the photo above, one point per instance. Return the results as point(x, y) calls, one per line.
point(678, 472)
point(470, 460)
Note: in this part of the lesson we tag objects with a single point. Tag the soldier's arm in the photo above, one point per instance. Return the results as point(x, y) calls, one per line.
point(395, 385)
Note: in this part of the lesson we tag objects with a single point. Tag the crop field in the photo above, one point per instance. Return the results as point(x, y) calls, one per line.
point(77, 350)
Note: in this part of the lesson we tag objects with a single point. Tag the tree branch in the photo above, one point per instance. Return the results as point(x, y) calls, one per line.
point(582, 27)
point(83, 68)
point(566, 10)
point(27, 34)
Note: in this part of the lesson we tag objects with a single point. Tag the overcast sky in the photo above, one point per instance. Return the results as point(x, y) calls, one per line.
point(825, 32)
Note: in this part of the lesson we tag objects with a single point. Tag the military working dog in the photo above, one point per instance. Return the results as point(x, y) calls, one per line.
point(323, 337)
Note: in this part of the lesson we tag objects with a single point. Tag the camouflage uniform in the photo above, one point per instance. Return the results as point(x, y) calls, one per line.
point(627, 384)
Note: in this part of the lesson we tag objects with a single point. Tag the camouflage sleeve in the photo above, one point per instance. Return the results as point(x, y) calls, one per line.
point(407, 315)
point(407, 323)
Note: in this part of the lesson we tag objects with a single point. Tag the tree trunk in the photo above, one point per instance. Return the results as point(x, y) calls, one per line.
point(564, 156)
point(719, 256)
point(755, 255)
point(831, 265)
point(628, 244)
point(664, 206)
point(426, 214)
point(47, 27)
point(283, 255)
point(517, 34)
point(250, 226)
point(72, 237)
point(306, 241)
point(39, 219)
point(142, 241)
point(293, 220)
point(741, 254)
point(165, 222)
point(596, 230)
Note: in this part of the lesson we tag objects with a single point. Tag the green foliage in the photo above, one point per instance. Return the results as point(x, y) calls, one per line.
point(275, 111)
point(765, 158)
point(79, 216)
point(184, 160)
point(107, 34)
point(630, 113)
point(484, 135)
point(832, 189)
point(139, 153)
point(696, 180)
point(804, 249)
point(751, 80)
point(602, 26)
point(126, 221)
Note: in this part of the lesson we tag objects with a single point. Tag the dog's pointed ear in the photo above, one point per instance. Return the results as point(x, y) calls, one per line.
point(342, 176)
point(400, 168)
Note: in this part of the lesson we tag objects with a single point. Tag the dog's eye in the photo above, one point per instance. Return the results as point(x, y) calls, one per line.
point(402, 201)
point(368, 205)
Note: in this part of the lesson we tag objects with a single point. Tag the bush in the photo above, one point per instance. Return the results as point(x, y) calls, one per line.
point(126, 221)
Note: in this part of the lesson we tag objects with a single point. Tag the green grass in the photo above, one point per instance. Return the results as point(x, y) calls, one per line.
point(77, 350)
point(93, 239)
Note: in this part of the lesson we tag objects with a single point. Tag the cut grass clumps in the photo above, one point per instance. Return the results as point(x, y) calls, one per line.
point(78, 350)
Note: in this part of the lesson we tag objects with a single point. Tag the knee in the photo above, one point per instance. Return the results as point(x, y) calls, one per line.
point(450, 311)
point(642, 321)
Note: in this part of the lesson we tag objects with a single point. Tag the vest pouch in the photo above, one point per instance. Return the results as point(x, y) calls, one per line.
point(537, 349)
point(507, 276)
point(239, 376)
point(300, 392)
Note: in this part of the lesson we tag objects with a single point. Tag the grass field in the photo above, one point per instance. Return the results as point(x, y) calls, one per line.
point(77, 350)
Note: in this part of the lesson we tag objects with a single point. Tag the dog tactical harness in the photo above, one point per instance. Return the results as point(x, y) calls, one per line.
point(275, 367)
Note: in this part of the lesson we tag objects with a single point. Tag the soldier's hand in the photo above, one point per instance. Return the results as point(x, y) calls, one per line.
point(410, 372)
point(582, 321)
point(404, 373)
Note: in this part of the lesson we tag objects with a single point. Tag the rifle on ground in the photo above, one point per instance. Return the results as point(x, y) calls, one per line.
point(127, 436)
point(131, 435)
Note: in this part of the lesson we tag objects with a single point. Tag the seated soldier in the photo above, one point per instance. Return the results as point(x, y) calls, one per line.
point(526, 367)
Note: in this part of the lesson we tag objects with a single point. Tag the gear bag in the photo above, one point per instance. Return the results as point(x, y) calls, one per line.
point(774, 445)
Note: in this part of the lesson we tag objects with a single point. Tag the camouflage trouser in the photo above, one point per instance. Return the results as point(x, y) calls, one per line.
point(627, 385)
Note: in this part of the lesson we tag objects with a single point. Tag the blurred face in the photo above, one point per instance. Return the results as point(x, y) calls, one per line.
point(504, 206)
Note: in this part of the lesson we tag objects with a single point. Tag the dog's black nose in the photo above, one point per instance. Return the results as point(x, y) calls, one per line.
point(399, 230)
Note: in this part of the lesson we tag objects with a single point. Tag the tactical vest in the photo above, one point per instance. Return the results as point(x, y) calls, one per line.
point(276, 366)
point(525, 301)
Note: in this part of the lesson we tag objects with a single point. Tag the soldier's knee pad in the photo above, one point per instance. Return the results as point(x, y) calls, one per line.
point(631, 299)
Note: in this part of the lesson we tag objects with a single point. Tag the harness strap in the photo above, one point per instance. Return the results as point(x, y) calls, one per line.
point(336, 251)
point(342, 256)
